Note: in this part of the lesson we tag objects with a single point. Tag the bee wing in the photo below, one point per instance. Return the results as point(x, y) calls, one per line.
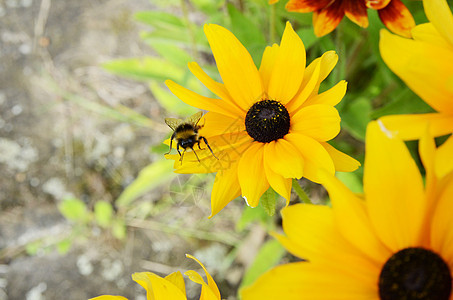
point(173, 123)
point(193, 119)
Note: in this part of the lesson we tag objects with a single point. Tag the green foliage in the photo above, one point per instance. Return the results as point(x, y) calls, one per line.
point(103, 213)
point(145, 68)
point(74, 210)
point(269, 201)
point(247, 31)
point(356, 116)
point(250, 215)
point(268, 256)
point(149, 177)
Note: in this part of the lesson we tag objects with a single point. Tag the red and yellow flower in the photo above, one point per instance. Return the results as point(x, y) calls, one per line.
point(327, 14)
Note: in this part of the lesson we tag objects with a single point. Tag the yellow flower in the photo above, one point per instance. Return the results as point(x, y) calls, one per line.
point(395, 242)
point(425, 64)
point(269, 125)
point(327, 14)
point(171, 287)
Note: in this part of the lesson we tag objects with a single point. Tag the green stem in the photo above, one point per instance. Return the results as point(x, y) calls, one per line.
point(193, 44)
point(272, 35)
point(339, 46)
point(300, 192)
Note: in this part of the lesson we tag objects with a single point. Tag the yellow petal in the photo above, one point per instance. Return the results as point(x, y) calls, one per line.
point(352, 220)
point(212, 286)
point(108, 297)
point(424, 67)
point(314, 282)
point(442, 225)
point(289, 67)
point(325, 64)
point(439, 14)
point(283, 159)
point(201, 102)
point(394, 190)
point(429, 34)
point(177, 279)
point(310, 231)
point(214, 86)
point(411, 127)
point(280, 184)
point(427, 150)
point(251, 174)
point(217, 124)
point(226, 188)
point(308, 87)
point(267, 64)
point(320, 122)
point(444, 159)
point(226, 153)
point(330, 97)
point(315, 156)
point(158, 288)
point(239, 73)
point(342, 161)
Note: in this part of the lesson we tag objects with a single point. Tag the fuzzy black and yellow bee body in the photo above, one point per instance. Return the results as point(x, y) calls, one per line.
point(185, 132)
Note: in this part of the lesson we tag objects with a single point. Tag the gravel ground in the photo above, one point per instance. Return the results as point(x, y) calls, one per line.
point(51, 148)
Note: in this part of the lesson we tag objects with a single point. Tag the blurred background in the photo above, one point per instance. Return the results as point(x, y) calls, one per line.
point(86, 197)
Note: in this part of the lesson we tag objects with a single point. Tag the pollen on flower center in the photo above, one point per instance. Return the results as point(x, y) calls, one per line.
point(415, 274)
point(267, 121)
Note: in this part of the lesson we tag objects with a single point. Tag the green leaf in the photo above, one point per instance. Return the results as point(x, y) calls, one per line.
point(159, 19)
point(149, 178)
point(64, 246)
point(119, 229)
point(170, 102)
point(173, 54)
point(145, 68)
point(269, 201)
point(351, 180)
point(406, 102)
point(356, 116)
point(267, 257)
point(33, 247)
point(252, 214)
point(245, 29)
point(74, 210)
point(103, 213)
point(307, 36)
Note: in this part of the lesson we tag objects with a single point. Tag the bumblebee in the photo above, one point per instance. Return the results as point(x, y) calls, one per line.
point(185, 132)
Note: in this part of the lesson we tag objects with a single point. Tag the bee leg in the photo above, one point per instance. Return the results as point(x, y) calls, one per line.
point(199, 144)
point(195, 154)
point(182, 156)
point(177, 149)
point(206, 142)
point(171, 141)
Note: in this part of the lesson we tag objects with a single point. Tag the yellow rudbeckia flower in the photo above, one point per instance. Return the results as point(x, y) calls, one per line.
point(270, 124)
point(425, 64)
point(171, 287)
point(395, 242)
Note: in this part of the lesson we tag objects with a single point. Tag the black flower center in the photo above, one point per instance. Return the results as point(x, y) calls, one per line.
point(415, 274)
point(267, 121)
